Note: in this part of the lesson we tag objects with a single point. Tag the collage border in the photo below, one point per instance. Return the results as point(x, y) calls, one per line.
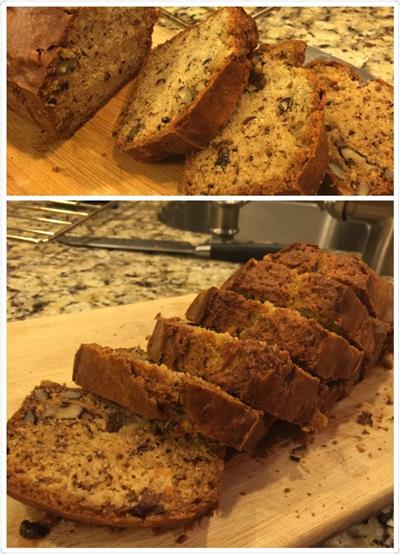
point(3, 207)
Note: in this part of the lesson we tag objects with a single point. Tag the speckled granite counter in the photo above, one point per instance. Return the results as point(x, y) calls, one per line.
point(362, 36)
point(52, 278)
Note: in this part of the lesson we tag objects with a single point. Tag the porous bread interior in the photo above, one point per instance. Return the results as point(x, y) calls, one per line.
point(161, 384)
point(104, 48)
point(359, 122)
point(220, 358)
point(227, 311)
point(174, 76)
point(259, 149)
point(105, 460)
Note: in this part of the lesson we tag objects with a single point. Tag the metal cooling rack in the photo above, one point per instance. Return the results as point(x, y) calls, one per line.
point(44, 221)
point(182, 23)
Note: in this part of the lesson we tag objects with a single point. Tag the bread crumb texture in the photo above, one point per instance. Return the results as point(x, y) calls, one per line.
point(86, 458)
point(359, 123)
point(276, 131)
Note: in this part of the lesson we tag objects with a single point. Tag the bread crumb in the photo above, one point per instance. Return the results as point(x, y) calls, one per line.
point(365, 418)
point(181, 539)
point(365, 432)
point(360, 448)
point(286, 489)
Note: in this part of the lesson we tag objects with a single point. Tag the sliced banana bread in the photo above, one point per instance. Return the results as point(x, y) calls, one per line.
point(189, 87)
point(262, 376)
point(155, 392)
point(334, 305)
point(372, 290)
point(65, 63)
point(359, 124)
point(315, 349)
point(275, 141)
point(84, 458)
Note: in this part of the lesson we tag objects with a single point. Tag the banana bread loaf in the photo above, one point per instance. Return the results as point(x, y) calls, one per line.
point(359, 124)
point(315, 349)
point(65, 63)
point(275, 141)
point(189, 87)
point(155, 392)
point(332, 304)
point(372, 290)
point(84, 458)
point(262, 376)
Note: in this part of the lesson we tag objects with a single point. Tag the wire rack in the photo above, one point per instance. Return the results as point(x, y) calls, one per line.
point(181, 22)
point(44, 221)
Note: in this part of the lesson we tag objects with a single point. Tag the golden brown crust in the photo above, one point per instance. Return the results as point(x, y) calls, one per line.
point(314, 169)
point(34, 40)
point(154, 392)
point(195, 127)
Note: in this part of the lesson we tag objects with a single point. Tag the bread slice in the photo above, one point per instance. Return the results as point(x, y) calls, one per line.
point(84, 458)
point(333, 305)
point(316, 350)
point(275, 141)
point(189, 87)
point(359, 123)
point(261, 375)
point(65, 63)
point(372, 290)
point(155, 392)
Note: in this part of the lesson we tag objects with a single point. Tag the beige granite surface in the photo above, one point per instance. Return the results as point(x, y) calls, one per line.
point(52, 278)
point(362, 36)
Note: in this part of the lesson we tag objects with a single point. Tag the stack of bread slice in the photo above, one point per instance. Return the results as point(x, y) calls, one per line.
point(256, 121)
point(251, 118)
point(142, 442)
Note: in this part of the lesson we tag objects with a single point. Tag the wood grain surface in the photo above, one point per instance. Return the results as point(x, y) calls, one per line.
point(88, 163)
point(269, 499)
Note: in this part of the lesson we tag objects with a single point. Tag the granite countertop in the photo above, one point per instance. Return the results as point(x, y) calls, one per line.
point(75, 279)
point(52, 278)
point(362, 36)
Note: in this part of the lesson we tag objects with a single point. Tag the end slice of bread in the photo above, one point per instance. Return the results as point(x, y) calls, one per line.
point(155, 392)
point(64, 63)
point(88, 459)
point(359, 123)
point(259, 374)
point(274, 143)
point(189, 87)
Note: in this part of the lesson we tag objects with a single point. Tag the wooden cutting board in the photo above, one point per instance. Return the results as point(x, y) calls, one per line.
point(88, 163)
point(268, 500)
